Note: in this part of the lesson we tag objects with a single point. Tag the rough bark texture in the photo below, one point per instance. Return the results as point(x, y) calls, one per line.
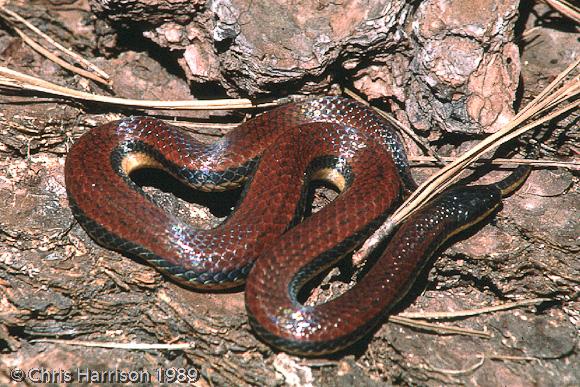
point(390, 50)
point(441, 65)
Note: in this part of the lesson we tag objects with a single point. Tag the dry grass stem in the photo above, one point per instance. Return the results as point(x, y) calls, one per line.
point(129, 346)
point(514, 358)
point(13, 18)
point(14, 79)
point(466, 371)
point(428, 161)
point(565, 8)
point(539, 106)
point(530, 34)
point(473, 312)
point(444, 329)
point(43, 51)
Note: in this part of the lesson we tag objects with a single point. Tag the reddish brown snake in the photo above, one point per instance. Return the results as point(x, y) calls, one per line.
point(278, 153)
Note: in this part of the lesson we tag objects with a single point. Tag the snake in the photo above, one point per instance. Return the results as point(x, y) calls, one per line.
point(268, 242)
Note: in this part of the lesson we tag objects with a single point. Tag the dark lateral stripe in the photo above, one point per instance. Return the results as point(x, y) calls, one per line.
point(225, 179)
point(111, 241)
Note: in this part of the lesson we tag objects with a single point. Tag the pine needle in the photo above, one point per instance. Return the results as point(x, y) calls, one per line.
point(14, 79)
point(547, 100)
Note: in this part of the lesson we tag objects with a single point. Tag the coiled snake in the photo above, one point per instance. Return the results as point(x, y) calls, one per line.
point(266, 239)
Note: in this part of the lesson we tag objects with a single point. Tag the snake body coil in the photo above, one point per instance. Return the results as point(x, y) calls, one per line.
point(278, 153)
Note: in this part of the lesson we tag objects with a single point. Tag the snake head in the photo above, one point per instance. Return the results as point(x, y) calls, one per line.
point(465, 206)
